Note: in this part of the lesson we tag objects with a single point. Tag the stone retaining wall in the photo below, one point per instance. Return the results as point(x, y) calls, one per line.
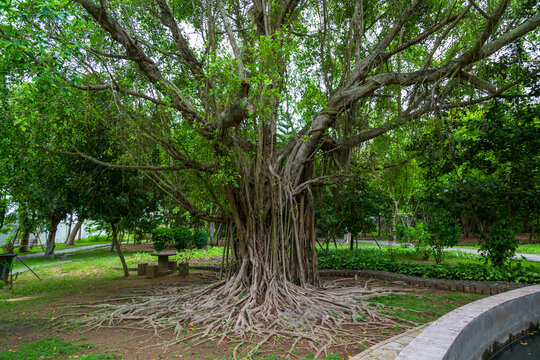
point(468, 286)
point(472, 331)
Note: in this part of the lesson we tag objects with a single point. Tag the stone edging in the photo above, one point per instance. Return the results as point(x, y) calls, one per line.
point(390, 348)
point(472, 330)
point(468, 286)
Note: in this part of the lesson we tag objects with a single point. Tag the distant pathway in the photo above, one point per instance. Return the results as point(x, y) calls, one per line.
point(517, 256)
point(65, 251)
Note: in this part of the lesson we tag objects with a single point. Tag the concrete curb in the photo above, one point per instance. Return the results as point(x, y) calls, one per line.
point(390, 348)
point(472, 330)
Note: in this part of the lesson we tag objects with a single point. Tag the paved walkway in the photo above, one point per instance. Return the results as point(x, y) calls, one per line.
point(517, 256)
point(65, 251)
point(390, 348)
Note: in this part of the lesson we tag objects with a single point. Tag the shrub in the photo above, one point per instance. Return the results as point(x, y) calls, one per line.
point(182, 237)
point(162, 236)
point(444, 232)
point(375, 259)
point(200, 238)
point(499, 245)
point(418, 236)
point(95, 238)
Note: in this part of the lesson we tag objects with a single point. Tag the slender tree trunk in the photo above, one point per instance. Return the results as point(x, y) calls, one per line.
point(51, 236)
point(114, 228)
point(395, 220)
point(68, 230)
point(73, 234)
point(9, 248)
point(23, 244)
point(3, 210)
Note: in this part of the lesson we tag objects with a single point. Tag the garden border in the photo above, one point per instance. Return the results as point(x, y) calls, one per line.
point(467, 286)
point(474, 330)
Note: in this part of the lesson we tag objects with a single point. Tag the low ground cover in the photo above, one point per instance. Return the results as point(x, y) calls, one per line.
point(522, 248)
point(406, 261)
point(421, 306)
point(53, 348)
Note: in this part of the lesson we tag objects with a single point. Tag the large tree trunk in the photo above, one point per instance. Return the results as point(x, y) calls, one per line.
point(274, 244)
point(51, 236)
point(71, 239)
point(114, 228)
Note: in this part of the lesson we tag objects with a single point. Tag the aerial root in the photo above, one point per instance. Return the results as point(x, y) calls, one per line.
point(318, 318)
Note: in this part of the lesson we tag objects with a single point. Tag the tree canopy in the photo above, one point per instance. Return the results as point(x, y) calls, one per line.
point(239, 109)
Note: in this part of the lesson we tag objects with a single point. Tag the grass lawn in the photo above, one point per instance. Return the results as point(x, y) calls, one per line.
point(52, 348)
point(421, 306)
point(522, 248)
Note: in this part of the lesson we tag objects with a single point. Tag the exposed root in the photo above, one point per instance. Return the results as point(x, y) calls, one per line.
point(320, 318)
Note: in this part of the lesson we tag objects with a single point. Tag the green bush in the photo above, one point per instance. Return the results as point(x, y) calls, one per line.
point(499, 245)
point(182, 237)
point(375, 259)
point(161, 237)
point(444, 232)
point(200, 238)
point(94, 238)
point(418, 236)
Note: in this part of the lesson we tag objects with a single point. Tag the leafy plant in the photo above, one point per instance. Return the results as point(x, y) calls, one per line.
point(416, 235)
point(499, 245)
point(375, 259)
point(200, 238)
point(444, 232)
point(182, 237)
point(162, 236)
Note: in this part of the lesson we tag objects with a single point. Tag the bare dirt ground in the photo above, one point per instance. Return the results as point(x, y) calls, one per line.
point(129, 341)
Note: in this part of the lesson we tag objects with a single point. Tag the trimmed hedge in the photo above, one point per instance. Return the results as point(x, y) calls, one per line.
point(375, 259)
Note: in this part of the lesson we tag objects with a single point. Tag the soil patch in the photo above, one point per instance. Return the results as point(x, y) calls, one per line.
point(129, 341)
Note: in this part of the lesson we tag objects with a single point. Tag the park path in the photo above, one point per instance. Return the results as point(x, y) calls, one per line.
point(65, 251)
point(517, 256)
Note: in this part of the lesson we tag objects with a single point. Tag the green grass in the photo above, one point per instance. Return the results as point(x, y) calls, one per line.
point(53, 348)
point(85, 272)
point(522, 248)
point(423, 306)
point(529, 249)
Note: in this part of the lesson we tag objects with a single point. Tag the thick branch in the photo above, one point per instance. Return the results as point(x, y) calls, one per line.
point(189, 164)
point(146, 64)
point(169, 21)
point(286, 14)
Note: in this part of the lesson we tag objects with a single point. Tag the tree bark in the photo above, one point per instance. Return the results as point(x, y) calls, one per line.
point(73, 234)
point(23, 244)
point(68, 230)
point(114, 228)
point(51, 236)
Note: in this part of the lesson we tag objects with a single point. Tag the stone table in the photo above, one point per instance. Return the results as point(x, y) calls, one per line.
point(163, 260)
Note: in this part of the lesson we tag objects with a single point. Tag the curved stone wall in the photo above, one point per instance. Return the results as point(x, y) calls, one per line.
point(468, 332)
